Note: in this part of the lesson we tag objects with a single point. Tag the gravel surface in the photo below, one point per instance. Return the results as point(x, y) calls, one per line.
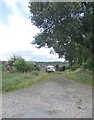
point(57, 97)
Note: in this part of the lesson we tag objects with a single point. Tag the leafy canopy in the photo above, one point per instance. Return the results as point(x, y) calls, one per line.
point(66, 27)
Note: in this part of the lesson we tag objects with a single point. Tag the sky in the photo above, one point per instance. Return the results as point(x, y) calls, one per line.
point(17, 32)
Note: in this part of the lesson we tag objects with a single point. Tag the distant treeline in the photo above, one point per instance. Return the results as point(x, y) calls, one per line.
point(52, 63)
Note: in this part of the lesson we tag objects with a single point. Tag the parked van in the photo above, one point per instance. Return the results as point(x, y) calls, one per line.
point(50, 68)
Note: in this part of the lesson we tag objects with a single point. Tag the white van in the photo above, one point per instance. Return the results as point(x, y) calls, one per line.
point(50, 68)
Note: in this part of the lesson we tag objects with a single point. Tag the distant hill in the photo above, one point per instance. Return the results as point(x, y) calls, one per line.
point(52, 63)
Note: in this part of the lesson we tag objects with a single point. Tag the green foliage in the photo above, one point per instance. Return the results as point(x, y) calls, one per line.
point(36, 67)
point(66, 27)
point(50, 63)
point(7, 67)
point(74, 67)
point(29, 67)
point(13, 59)
point(17, 63)
point(62, 68)
point(35, 72)
point(4, 66)
point(20, 65)
point(15, 81)
point(82, 76)
point(88, 64)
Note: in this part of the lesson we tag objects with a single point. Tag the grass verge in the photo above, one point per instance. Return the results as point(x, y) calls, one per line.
point(15, 81)
point(85, 77)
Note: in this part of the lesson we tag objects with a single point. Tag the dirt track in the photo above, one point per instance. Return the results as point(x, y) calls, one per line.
point(57, 97)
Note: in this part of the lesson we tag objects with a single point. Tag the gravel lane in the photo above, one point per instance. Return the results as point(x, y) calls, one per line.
point(57, 97)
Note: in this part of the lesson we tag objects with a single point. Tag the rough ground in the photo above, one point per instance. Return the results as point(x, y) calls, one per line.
point(57, 97)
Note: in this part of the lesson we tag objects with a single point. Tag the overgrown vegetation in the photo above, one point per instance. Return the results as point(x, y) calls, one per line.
point(80, 75)
point(19, 64)
point(18, 73)
point(15, 81)
point(18, 79)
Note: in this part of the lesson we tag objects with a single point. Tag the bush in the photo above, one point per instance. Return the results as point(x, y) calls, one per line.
point(74, 67)
point(61, 68)
point(13, 59)
point(88, 64)
point(30, 67)
point(20, 65)
point(11, 69)
point(36, 67)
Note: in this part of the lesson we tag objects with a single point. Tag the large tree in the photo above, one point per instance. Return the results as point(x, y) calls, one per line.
point(64, 27)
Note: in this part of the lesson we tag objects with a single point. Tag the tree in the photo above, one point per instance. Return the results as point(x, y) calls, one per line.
point(64, 26)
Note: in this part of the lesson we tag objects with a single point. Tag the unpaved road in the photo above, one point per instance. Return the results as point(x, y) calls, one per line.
point(57, 97)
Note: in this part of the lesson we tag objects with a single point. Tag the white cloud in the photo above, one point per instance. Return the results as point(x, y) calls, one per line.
point(13, 4)
point(18, 34)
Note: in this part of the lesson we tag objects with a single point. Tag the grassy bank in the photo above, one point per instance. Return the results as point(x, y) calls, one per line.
point(79, 75)
point(15, 81)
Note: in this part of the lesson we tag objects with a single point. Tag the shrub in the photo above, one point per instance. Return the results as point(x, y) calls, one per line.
point(89, 64)
point(30, 67)
point(74, 67)
point(36, 67)
point(61, 68)
point(20, 65)
point(13, 59)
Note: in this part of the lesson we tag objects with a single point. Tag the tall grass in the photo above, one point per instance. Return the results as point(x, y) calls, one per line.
point(14, 81)
point(85, 77)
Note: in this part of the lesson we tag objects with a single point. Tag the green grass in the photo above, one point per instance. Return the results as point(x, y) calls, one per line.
point(79, 75)
point(15, 81)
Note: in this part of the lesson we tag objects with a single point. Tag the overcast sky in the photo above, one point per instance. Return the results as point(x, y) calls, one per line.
point(17, 32)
